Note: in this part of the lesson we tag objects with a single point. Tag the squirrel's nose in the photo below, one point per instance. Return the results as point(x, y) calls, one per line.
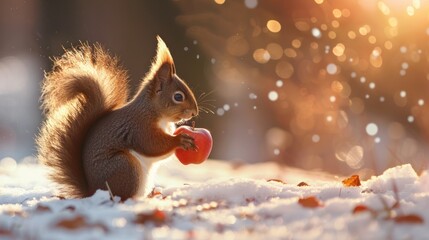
point(190, 113)
point(194, 112)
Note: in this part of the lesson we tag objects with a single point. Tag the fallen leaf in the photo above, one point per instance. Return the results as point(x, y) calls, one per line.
point(190, 234)
point(411, 218)
point(220, 228)
point(237, 165)
point(310, 202)
point(275, 180)
point(352, 181)
point(368, 190)
point(246, 215)
point(72, 223)
point(361, 208)
point(43, 208)
point(157, 217)
point(78, 222)
point(70, 208)
point(5, 233)
point(303, 184)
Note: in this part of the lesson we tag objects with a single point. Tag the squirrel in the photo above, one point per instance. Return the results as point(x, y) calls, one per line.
point(93, 137)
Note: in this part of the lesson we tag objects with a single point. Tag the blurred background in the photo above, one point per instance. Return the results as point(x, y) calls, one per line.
point(334, 85)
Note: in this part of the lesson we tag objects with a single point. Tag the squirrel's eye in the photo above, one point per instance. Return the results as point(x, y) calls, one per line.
point(178, 97)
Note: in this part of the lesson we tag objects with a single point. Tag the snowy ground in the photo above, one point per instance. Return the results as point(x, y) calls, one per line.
point(219, 201)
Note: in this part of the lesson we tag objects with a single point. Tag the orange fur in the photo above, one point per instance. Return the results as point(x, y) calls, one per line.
point(85, 84)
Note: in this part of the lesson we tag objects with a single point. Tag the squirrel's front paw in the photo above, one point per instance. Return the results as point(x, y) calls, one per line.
point(187, 142)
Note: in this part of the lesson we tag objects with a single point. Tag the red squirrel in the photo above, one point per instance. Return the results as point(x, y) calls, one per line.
point(94, 138)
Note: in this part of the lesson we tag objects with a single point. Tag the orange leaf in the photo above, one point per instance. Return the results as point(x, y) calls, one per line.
point(411, 218)
point(352, 181)
point(310, 202)
point(361, 208)
point(157, 216)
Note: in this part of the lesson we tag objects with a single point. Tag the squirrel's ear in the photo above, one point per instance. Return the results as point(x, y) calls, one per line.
point(164, 61)
point(166, 71)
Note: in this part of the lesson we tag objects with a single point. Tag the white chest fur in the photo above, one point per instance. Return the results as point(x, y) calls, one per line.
point(167, 126)
point(149, 164)
point(149, 167)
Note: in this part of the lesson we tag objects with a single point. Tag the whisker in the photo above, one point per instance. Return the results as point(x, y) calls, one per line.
point(210, 111)
point(208, 100)
point(203, 110)
point(205, 95)
point(201, 95)
point(207, 105)
point(206, 110)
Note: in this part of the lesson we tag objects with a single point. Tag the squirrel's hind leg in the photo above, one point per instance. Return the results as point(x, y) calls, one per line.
point(125, 177)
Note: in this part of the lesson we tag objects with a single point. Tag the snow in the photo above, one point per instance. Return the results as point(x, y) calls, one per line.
point(218, 200)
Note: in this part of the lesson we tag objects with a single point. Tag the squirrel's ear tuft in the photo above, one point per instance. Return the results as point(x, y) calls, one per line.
point(162, 66)
point(163, 63)
point(162, 53)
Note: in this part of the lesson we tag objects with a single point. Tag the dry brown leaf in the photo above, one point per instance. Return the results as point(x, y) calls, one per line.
point(72, 223)
point(237, 165)
point(352, 181)
point(246, 215)
point(5, 233)
point(70, 208)
point(157, 217)
point(411, 218)
point(78, 222)
point(303, 184)
point(310, 202)
point(275, 180)
point(43, 208)
point(220, 228)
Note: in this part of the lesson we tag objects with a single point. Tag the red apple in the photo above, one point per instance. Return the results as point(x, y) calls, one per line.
point(203, 140)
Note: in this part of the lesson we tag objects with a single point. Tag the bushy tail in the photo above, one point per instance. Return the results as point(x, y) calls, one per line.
point(85, 83)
